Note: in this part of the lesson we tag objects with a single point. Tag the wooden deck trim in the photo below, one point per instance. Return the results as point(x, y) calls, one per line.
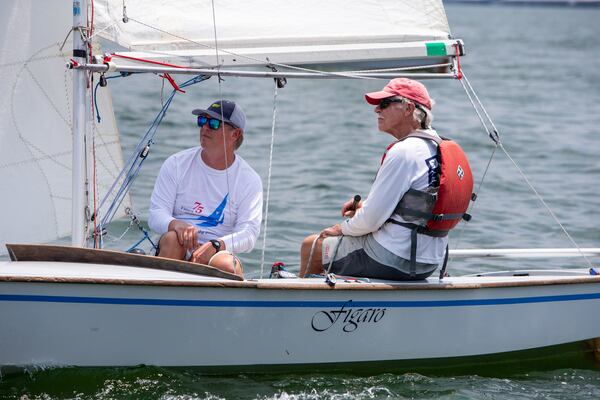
point(40, 252)
point(28, 252)
point(275, 285)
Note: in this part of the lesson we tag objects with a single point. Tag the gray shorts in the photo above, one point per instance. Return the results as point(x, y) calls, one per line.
point(362, 256)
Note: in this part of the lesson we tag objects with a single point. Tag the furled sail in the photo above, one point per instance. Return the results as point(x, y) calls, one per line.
point(361, 34)
point(36, 124)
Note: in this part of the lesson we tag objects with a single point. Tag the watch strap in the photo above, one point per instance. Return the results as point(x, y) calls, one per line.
point(216, 244)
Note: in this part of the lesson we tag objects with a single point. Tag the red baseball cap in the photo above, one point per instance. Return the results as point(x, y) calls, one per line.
point(402, 87)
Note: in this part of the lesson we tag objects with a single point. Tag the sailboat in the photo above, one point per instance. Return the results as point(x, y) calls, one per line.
point(81, 306)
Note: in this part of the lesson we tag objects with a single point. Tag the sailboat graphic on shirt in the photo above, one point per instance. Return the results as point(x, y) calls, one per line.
point(214, 219)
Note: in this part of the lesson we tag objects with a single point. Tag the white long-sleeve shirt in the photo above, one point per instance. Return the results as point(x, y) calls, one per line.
point(409, 163)
point(223, 204)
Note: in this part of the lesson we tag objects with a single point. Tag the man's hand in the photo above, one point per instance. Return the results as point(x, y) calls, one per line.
point(335, 230)
point(203, 253)
point(349, 208)
point(187, 234)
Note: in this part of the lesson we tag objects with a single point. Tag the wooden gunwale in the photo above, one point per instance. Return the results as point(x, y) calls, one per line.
point(225, 280)
point(301, 284)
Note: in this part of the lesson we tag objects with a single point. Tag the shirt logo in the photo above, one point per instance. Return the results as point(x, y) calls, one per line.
point(460, 172)
point(198, 207)
point(216, 218)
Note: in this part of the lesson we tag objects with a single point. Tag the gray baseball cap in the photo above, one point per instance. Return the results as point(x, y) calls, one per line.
point(226, 111)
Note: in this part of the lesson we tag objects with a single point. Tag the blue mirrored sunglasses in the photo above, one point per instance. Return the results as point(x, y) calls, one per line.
point(213, 123)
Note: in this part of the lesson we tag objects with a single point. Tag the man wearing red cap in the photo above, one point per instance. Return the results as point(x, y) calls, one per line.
point(373, 242)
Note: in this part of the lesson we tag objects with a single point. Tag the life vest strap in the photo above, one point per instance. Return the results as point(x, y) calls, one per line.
point(445, 264)
point(427, 215)
point(413, 252)
point(414, 230)
point(420, 228)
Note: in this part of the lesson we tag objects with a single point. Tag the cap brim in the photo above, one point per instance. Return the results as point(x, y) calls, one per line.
point(375, 97)
point(213, 114)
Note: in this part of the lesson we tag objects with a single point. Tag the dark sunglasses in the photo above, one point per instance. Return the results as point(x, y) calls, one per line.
point(385, 103)
point(213, 123)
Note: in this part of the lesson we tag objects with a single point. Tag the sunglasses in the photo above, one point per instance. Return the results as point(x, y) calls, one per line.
point(213, 123)
point(385, 103)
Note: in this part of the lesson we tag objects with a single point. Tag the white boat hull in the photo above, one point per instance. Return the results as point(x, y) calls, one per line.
point(176, 319)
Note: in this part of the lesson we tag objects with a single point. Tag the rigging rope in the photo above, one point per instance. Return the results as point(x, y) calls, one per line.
point(97, 240)
point(470, 92)
point(262, 258)
point(495, 137)
point(232, 250)
point(132, 167)
point(539, 197)
point(95, 95)
point(461, 78)
point(473, 203)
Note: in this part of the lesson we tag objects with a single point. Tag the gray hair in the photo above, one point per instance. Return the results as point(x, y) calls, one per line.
point(423, 116)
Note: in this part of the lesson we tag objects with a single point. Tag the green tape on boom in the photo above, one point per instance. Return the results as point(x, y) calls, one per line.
point(436, 49)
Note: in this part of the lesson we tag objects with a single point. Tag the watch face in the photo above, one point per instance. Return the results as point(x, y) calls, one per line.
point(216, 244)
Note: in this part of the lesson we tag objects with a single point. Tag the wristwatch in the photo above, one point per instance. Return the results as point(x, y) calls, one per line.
point(216, 244)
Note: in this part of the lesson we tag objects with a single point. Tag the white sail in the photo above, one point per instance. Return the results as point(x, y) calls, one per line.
point(332, 32)
point(36, 123)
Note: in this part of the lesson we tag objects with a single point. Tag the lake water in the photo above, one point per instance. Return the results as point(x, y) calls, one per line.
point(536, 69)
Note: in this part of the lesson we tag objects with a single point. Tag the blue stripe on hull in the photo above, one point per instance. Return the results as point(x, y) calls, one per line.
point(297, 304)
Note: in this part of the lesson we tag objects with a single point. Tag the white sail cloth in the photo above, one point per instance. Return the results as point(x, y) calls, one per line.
point(269, 22)
point(331, 31)
point(36, 124)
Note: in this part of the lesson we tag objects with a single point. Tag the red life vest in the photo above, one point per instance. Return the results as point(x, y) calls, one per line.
point(439, 208)
point(456, 187)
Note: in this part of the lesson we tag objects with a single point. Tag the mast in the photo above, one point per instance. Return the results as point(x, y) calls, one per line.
point(79, 111)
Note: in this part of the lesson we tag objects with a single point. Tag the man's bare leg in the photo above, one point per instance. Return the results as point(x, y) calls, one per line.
point(316, 262)
point(224, 262)
point(169, 246)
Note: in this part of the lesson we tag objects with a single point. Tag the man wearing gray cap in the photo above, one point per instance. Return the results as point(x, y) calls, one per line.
point(207, 201)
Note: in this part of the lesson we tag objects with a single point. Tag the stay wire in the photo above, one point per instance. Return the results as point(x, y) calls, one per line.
point(126, 172)
point(264, 246)
point(133, 165)
point(147, 138)
point(495, 137)
point(539, 197)
point(473, 204)
point(489, 133)
point(495, 130)
point(97, 240)
point(134, 155)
